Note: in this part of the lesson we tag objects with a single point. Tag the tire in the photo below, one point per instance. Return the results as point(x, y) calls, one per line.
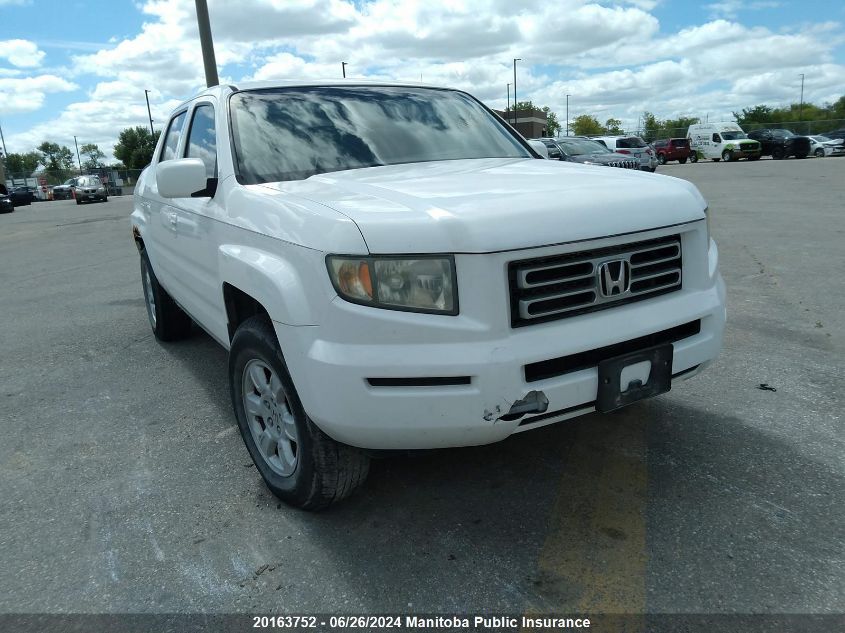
point(693, 158)
point(715, 160)
point(167, 320)
point(300, 464)
point(105, 199)
point(661, 159)
point(78, 201)
point(727, 156)
point(682, 161)
point(819, 152)
point(777, 153)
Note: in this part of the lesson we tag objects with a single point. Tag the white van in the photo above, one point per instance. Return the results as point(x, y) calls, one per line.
point(721, 141)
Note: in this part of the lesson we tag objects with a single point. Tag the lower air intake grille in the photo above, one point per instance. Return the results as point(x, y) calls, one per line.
point(550, 288)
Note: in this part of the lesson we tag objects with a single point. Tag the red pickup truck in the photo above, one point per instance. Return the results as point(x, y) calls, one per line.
point(672, 149)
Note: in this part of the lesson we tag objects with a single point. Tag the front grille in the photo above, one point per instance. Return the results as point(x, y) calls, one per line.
point(560, 286)
point(749, 147)
point(625, 164)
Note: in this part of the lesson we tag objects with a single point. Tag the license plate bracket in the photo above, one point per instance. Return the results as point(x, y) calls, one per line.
point(610, 395)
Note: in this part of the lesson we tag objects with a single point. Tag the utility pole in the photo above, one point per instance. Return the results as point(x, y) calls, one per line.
point(207, 44)
point(149, 114)
point(567, 114)
point(78, 161)
point(343, 68)
point(515, 115)
point(801, 107)
point(5, 153)
point(509, 101)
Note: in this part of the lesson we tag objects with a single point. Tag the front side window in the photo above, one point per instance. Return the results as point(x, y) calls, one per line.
point(716, 138)
point(294, 133)
point(202, 139)
point(171, 141)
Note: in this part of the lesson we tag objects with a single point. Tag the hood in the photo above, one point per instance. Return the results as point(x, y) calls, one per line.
point(602, 157)
point(496, 204)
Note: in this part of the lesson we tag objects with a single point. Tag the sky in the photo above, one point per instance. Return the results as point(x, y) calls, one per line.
point(74, 68)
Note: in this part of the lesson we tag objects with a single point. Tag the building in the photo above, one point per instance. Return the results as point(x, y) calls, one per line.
point(529, 123)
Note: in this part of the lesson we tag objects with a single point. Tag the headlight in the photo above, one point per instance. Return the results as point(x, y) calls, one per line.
point(707, 220)
point(589, 162)
point(419, 284)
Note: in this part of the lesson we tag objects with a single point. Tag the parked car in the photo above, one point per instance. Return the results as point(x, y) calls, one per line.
point(552, 148)
point(672, 149)
point(632, 145)
point(448, 290)
point(579, 149)
point(823, 146)
point(539, 146)
point(65, 190)
point(6, 204)
point(89, 189)
point(836, 134)
point(781, 143)
point(721, 141)
point(23, 195)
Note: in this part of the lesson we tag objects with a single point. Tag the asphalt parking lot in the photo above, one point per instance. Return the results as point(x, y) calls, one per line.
point(125, 486)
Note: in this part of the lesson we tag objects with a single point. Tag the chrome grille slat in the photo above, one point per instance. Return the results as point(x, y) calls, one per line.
point(539, 294)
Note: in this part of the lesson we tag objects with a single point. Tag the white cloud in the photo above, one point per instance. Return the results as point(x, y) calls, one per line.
point(21, 53)
point(731, 8)
point(28, 93)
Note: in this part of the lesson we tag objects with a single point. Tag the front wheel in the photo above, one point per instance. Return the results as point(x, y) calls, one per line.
point(727, 156)
point(819, 152)
point(300, 464)
point(777, 153)
point(661, 159)
point(683, 161)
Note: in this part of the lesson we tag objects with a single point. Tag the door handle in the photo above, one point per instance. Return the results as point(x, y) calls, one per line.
point(173, 220)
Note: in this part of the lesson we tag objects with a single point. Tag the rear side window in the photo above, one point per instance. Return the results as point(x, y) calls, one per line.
point(630, 142)
point(171, 141)
point(679, 142)
point(202, 139)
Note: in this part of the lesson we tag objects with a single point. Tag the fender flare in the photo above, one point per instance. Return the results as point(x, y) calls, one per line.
point(269, 279)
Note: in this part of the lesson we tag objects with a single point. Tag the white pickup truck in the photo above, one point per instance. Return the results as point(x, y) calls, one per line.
point(391, 267)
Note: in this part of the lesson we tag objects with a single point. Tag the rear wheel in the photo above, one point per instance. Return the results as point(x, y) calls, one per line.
point(693, 158)
point(727, 156)
point(682, 160)
point(661, 159)
point(777, 153)
point(300, 464)
point(168, 321)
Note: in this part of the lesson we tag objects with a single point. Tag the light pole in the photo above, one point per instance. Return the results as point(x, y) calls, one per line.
point(78, 161)
point(509, 100)
point(516, 59)
point(149, 113)
point(801, 106)
point(343, 68)
point(207, 43)
point(567, 114)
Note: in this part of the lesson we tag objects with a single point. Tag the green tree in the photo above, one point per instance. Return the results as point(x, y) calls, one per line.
point(135, 147)
point(586, 124)
point(57, 160)
point(94, 154)
point(613, 126)
point(22, 164)
point(651, 126)
point(672, 128)
point(552, 124)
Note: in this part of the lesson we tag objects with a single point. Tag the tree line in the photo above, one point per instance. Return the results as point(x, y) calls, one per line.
point(134, 150)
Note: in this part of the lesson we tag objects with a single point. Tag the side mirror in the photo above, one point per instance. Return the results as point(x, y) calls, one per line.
point(184, 178)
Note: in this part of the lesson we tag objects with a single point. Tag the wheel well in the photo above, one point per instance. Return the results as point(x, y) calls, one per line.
point(239, 307)
point(139, 241)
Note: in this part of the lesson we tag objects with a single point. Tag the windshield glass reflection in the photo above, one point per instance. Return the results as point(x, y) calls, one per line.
point(294, 133)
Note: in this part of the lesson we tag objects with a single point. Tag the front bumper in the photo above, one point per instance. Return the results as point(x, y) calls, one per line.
point(481, 360)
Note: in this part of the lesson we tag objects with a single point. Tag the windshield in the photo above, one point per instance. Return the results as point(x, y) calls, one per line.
point(577, 146)
point(294, 133)
point(733, 135)
point(820, 139)
point(782, 133)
